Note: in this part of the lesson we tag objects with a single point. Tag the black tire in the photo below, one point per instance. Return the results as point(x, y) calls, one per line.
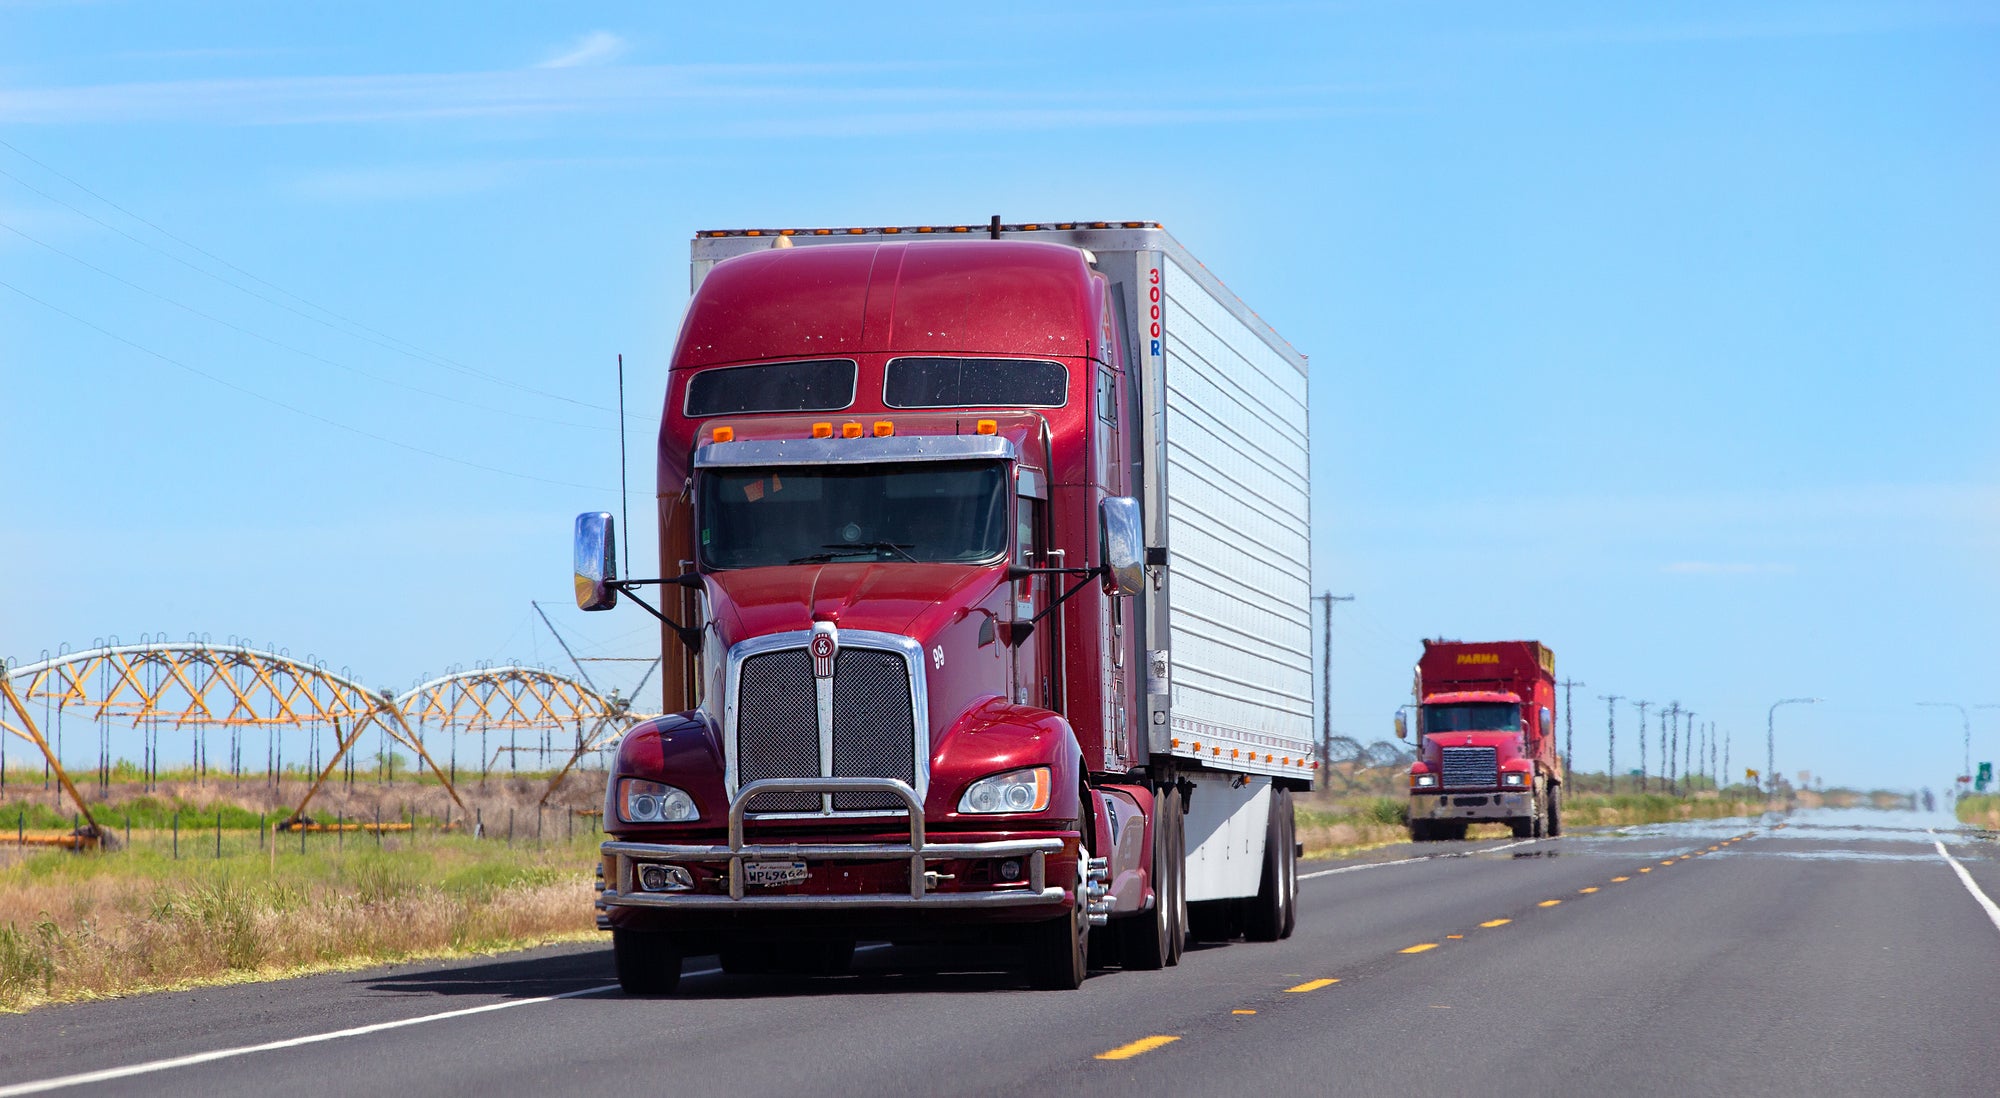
point(1291, 869)
point(1145, 941)
point(1177, 827)
point(1555, 824)
point(1264, 916)
point(1423, 831)
point(648, 964)
point(1059, 949)
point(1451, 831)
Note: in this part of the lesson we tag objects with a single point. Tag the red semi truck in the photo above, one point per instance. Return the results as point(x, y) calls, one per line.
point(1486, 740)
point(984, 576)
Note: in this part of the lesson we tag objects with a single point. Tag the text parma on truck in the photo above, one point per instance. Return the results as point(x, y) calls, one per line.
point(984, 568)
point(1486, 740)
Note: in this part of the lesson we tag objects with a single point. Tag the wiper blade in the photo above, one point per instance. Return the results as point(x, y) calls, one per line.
point(876, 546)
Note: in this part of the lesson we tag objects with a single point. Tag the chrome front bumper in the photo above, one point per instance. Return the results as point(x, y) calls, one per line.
point(623, 889)
point(1491, 805)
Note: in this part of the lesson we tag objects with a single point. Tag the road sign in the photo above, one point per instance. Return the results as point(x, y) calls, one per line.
point(1749, 775)
point(1985, 777)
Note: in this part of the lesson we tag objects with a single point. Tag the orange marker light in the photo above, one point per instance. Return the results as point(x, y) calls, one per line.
point(988, 427)
point(884, 428)
point(850, 430)
point(724, 434)
point(822, 430)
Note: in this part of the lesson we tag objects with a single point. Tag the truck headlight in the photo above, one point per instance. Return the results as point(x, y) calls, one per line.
point(1423, 781)
point(1015, 791)
point(1515, 779)
point(641, 801)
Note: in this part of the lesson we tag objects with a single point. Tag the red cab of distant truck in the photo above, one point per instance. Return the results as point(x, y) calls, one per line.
point(1485, 740)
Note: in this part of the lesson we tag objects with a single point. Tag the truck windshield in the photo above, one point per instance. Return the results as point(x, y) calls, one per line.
point(1475, 717)
point(929, 512)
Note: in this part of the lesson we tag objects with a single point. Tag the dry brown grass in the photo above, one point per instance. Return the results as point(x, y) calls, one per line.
point(85, 926)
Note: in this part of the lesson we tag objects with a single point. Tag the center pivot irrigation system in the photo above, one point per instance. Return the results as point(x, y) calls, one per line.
point(158, 688)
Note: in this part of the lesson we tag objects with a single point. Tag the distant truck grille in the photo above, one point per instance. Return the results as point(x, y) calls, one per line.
point(778, 733)
point(1471, 766)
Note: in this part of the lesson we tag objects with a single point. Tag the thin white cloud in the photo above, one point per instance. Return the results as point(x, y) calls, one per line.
point(401, 182)
point(594, 48)
point(1721, 568)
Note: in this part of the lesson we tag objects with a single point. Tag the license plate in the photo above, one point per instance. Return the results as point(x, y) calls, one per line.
point(773, 873)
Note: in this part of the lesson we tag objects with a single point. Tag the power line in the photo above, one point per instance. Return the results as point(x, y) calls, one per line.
point(275, 402)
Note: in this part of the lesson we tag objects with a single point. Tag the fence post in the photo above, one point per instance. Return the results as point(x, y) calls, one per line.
point(177, 834)
point(510, 827)
point(378, 825)
point(128, 831)
point(479, 822)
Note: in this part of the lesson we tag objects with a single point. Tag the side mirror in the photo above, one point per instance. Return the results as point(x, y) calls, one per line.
point(1123, 543)
point(596, 561)
point(1402, 726)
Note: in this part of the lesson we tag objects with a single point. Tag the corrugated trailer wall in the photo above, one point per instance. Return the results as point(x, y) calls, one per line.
point(1238, 524)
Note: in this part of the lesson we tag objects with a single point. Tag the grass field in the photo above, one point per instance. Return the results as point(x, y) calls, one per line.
point(1980, 810)
point(198, 888)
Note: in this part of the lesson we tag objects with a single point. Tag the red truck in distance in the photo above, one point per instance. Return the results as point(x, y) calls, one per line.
point(984, 581)
point(1486, 740)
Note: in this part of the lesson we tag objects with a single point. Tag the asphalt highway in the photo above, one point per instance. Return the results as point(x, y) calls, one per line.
point(1826, 953)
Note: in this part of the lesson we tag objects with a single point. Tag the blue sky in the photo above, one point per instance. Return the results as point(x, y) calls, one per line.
point(1666, 336)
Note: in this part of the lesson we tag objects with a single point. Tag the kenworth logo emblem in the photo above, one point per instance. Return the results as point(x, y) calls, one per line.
point(823, 648)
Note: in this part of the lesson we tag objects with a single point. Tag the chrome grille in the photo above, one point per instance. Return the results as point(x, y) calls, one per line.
point(777, 731)
point(872, 733)
point(1471, 766)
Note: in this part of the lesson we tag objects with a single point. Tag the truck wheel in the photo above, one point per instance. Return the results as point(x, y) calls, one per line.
point(1452, 831)
point(648, 964)
point(1177, 938)
point(1555, 825)
point(1291, 869)
point(1059, 949)
point(1421, 831)
point(1264, 918)
point(1145, 941)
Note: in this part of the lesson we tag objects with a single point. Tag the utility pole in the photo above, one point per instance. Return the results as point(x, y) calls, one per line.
point(1715, 772)
point(1670, 750)
point(1666, 759)
point(1326, 601)
point(1569, 728)
point(1725, 754)
point(1687, 763)
point(1771, 740)
point(1611, 738)
point(1642, 743)
point(1965, 719)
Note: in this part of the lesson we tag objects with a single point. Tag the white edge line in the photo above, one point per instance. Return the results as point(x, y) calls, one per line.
point(37, 1086)
point(1964, 878)
point(1379, 865)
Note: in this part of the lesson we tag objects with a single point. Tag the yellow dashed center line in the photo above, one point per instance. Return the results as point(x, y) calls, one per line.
point(1242, 1012)
point(1315, 985)
point(1669, 861)
point(1620, 880)
point(1454, 936)
point(1645, 869)
point(1137, 1048)
point(1420, 947)
point(1587, 891)
point(1548, 903)
point(1496, 922)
